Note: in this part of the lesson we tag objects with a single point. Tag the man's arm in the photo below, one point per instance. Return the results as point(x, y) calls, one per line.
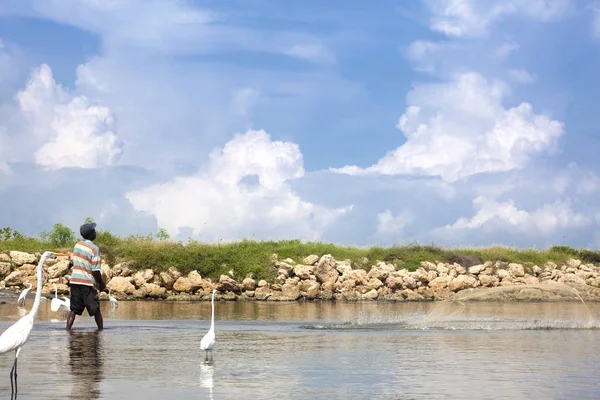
point(97, 271)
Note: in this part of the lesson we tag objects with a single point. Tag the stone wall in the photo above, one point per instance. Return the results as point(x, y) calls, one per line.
point(315, 278)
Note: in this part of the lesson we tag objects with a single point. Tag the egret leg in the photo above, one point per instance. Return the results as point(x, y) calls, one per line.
point(13, 373)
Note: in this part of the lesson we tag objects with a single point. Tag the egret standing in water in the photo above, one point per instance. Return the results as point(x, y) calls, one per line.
point(18, 333)
point(112, 299)
point(208, 341)
point(23, 295)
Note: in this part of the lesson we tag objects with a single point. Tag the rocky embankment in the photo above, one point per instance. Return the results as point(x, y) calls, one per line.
point(322, 278)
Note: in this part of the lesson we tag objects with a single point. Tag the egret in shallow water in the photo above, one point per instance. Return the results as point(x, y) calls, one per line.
point(112, 299)
point(208, 341)
point(57, 303)
point(18, 333)
point(23, 295)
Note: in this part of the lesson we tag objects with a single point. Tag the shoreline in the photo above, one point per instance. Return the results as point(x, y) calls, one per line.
point(322, 278)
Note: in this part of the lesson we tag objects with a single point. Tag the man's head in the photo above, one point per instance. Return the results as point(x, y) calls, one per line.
point(88, 231)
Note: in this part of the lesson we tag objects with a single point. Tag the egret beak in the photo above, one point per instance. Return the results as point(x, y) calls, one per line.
point(59, 254)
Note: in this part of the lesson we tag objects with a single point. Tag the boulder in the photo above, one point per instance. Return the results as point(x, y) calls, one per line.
point(187, 285)
point(488, 280)
point(370, 295)
point(5, 258)
point(248, 284)
point(290, 292)
point(461, 282)
point(19, 258)
point(326, 269)
point(394, 282)
point(59, 269)
point(313, 291)
point(15, 278)
point(154, 291)
point(311, 260)
point(343, 267)
point(573, 263)
point(357, 275)
point(303, 271)
point(262, 283)
point(502, 273)
point(283, 266)
point(121, 284)
point(440, 282)
point(167, 280)
point(381, 271)
point(476, 269)
point(442, 269)
point(196, 279)
point(28, 269)
point(174, 272)
point(516, 270)
point(410, 282)
point(374, 283)
point(262, 293)
point(5, 268)
point(428, 266)
point(226, 284)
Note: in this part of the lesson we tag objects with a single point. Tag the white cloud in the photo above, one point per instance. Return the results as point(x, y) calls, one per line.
point(71, 131)
point(314, 52)
point(505, 49)
point(461, 128)
point(493, 215)
point(388, 224)
point(596, 21)
point(219, 201)
point(471, 18)
point(522, 76)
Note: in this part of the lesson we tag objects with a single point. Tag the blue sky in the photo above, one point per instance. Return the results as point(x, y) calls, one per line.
point(457, 122)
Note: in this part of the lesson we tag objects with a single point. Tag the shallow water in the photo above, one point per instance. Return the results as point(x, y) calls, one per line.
point(372, 350)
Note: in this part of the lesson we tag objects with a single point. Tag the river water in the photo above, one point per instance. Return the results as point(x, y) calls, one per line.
point(370, 350)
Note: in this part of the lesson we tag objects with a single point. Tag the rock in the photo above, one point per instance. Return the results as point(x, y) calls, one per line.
point(516, 270)
point(439, 282)
point(488, 280)
point(410, 295)
point(394, 282)
point(154, 291)
point(290, 292)
point(283, 272)
point(573, 263)
point(420, 275)
point(262, 283)
point(476, 269)
point(167, 280)
point(226, 284)
point(381, 271)
point(343, 267)
point(502, 273)
point(374, 283)
point(461, 282)
point(442, 269)
point(370, 295)
point(183, 284)
point(28, 269)
point(5, 268)
point(5, 258)
point(174, 272)
point(357, 275)
point(282, 266)
point(566, 278)
point(59, 269)
point(428, 266)
point(262, 293)
point(312, 292)
point(122, 285)
point(461, 270)
point(409, 282)
point(248, 293)
point(14, 278)
point(196, 279)
point(248, 284)
point(19, 258)
point(274, 257)
point(536, 270)
point(311, 260)
point(303, 271)
point(326, 269)
point(142, 277)
point(328, 286)
point(289, 261)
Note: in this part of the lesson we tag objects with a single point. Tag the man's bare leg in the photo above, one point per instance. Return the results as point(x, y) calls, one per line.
point(70, 320)
point(99, 320)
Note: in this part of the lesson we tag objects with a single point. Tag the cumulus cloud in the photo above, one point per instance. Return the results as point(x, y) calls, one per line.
point(72, 132)
point(243, 191)
point(457, 129)
point(471, 18)
point(494, 215)
point(505, 49)
point(390, 224)
point(314, 52)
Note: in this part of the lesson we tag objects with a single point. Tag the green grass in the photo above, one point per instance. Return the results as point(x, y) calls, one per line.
point(253, 257)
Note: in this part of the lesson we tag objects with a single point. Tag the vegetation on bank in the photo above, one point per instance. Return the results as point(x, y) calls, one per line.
point(159, 252)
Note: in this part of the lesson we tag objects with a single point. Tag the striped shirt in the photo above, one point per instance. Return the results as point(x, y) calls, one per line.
point(86, 258)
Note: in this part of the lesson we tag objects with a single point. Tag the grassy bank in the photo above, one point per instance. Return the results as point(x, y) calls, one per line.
point(248, 256)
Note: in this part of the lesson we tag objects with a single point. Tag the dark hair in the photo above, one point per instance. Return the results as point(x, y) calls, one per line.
point(90, 235)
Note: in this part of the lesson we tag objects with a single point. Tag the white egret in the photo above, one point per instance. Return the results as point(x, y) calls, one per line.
point(112, 299)
point(18, 333)
point(57, 303)
point(23, 295)
point(208, 341)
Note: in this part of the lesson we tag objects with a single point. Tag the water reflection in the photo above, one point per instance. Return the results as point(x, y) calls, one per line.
point(207, 370)
point(85, 361)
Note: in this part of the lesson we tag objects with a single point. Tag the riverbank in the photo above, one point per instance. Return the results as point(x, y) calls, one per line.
point(325, 278)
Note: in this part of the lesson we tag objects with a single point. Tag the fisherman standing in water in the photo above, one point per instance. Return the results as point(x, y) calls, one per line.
point(86, 277)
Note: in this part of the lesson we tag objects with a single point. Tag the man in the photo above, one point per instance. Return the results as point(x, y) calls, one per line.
point(86, 277)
